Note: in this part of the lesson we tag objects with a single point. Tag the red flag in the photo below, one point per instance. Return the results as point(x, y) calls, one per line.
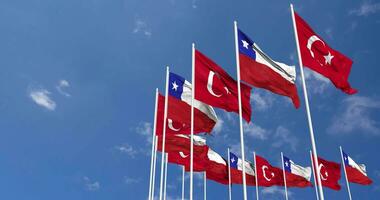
point(178, 121)
point(178, 149)
point(267, 175)
point(259, 70)
point(356, 173)
point(216, 169)
point(216, 88)
point(320, 57)
point(329, 173)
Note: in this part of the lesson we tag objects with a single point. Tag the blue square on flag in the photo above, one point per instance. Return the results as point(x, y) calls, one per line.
point(233, 161)
point(176, 83)
point(287, 164)
point(246, 45)
point(345, 158)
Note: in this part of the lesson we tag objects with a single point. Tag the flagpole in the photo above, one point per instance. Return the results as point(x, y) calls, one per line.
point(164, 132)
point(315, 181)
point(166, 174)
point(154, 164)
point(192, 119)
point(256, 179)
point(345, 172)
point(314, 147)
point(204, 186)
point(183, 182)
point(284, 174)
point(153, 146)
point(240, 109)
point(229, 174)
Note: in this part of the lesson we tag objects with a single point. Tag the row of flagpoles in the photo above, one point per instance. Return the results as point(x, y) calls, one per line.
point(251, 62)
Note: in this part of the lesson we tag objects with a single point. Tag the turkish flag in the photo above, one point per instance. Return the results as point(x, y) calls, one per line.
point(179, 116)
point(216, 88)
point(267, 175)
point(320, 57)
point(329, 173)
point(178, 149)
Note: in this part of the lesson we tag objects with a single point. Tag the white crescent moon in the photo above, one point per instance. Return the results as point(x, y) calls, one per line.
point(209, 84)
point(322, 177)
point(182, 154)
point(310, 42)
point(264, 174)
point(170, 124)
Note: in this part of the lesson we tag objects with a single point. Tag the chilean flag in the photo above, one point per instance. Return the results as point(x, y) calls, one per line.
point(217, 88)
point(356, 173)
point(179, 110)
point(259, 70)
point(296, 175)
point(216, 168)
point(236, 167)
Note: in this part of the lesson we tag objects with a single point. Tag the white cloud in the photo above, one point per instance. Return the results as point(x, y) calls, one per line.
point(283, 137)
point(91, 185)
point(262, 100)
point(316, 83)
point(41, 97)
point(129, 180)
point(255, 131)
point(127, 149)
point(145, 129)
point(275, 191)
point(142, 27)
point(356, 116)
point(62, 84)
point(218, 126)
point(366, 8)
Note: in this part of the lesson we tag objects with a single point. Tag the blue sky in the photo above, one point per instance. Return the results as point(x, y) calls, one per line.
point(77, 88)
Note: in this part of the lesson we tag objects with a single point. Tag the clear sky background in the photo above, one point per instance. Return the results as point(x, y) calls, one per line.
point(77, 86)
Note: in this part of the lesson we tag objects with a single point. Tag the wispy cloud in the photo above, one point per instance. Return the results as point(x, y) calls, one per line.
point(142, 28)
point(366, 8)
point(130, 180)
point(316, 83)
point(261, 100)
point(255, 131)
point(127, 149)
point(42, 98)
point(283, 137)
point(91, 185)
point(218, 126)
point(62, 85)
point(275, 191)
point(329, 32)
point(194, 4)
point(356, 115)
point(145, 129)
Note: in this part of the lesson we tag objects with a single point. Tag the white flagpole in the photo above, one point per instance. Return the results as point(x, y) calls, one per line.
point(256, 179)
point(204, 186)
point(284, 174)
point(229, 174)
point(345, 172)
point(240, 109)
point(164, 132)
point(153, 147)
point(313, 145)
point(315, 180)
point(183, 182)
point(154, 164)
point(192, 119)
point(166, 173)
